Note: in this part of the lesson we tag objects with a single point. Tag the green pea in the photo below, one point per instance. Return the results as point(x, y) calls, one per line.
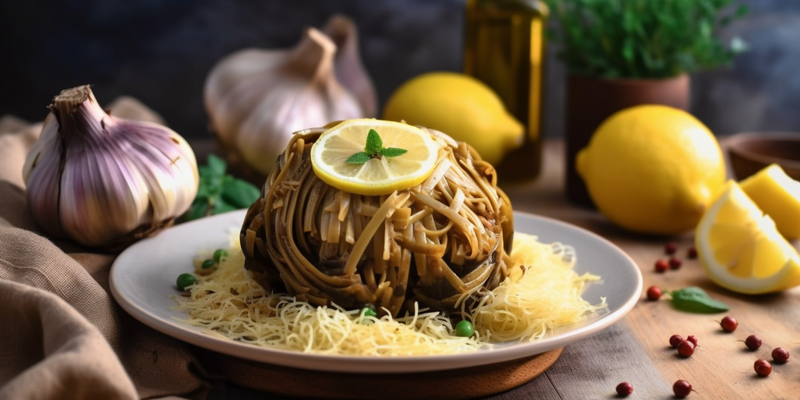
point(369, 312)
point(185, 280)
point(465, 329)
point(208, 264)
point(219, 254)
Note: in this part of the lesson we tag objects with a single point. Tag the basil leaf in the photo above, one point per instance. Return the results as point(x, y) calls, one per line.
point(374, 143)
point(358, 158)
point(393, 152)
point(216, 166)
point(694, 299)
point(238, 193)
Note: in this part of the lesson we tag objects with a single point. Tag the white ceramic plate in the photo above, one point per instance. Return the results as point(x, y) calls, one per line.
point(143, 279)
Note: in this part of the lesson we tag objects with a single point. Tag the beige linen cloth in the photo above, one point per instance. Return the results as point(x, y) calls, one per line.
point(62, 336)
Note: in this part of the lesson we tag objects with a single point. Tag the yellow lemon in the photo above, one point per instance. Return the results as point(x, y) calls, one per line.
point(378, 174)
point(778, 195)
point(652, 169)
point(460, 106)
point(740, 248)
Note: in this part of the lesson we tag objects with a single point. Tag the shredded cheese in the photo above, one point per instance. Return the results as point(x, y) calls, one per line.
point(228, 303)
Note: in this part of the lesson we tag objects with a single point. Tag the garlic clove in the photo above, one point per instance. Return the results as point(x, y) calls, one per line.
point(348, 66)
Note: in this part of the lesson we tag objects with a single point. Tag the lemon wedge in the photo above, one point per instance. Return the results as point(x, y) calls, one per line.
point(741, 249)
point(778, 195)
point(380, 175)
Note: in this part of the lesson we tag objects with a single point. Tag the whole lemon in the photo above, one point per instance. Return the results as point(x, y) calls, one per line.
point(652, 169)
point(461, 106)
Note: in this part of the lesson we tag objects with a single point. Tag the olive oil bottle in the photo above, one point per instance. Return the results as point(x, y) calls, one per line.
point(505, 49)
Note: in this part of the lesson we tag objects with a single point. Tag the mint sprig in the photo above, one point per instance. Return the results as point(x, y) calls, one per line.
point(374, 149)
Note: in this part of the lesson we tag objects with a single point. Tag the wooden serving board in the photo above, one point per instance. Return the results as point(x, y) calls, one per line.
point(463, 383)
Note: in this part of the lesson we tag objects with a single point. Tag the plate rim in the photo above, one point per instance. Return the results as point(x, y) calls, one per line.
point(369, 364)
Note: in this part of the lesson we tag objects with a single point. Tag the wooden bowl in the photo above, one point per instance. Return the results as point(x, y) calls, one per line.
point(752, 151)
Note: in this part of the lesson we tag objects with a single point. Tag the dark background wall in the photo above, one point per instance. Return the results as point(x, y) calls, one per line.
point(160, 52)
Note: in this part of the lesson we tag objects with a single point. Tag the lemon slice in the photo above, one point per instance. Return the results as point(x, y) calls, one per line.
point(380, 175)
point(779, 196)
point(740, 248)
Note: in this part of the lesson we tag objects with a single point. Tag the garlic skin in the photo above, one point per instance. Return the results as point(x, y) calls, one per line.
point(104, 181)
point(257, 98)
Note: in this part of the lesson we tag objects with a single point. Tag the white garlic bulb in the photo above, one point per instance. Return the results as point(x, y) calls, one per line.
point(257, 98)
point(104, 181)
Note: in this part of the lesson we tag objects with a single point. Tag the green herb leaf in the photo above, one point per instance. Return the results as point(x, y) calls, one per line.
point(358, 158)
point(374, 142)
point(221, 206)
point(696, 300)
point(219, 192)
point(198, 210)
point(239, 193)
point(374, 148)
point(621, 38)
point(216, 166)
point(393, 152)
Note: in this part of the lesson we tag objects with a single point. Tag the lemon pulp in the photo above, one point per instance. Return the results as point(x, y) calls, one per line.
point(778, 195)
point(741, 249)
point(380, 175)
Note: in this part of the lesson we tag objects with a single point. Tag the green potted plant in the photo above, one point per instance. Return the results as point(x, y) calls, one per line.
point(621, 53)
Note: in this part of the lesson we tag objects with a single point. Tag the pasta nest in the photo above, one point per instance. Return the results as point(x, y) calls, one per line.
point(431, 243)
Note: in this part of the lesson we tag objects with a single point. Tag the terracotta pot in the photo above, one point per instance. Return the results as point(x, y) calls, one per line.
point(591, 100)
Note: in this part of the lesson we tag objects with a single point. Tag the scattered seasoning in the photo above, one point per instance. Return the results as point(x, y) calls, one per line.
point(670, 248)
point(780, 355)
point(675, 340)
point(681, 388)
point(752, 342)
point(691, 253)
point(728, 324)
point(762, 367)
point(653, 293)
point(662, 266)
point(624, 389)
point(686, 348)
point(693, 339)
point(675, 262)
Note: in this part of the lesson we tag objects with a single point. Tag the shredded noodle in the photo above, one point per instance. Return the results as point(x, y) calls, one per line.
point(542, 294)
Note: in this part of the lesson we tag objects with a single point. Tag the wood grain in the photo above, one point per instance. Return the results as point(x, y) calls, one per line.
point(464, 383)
